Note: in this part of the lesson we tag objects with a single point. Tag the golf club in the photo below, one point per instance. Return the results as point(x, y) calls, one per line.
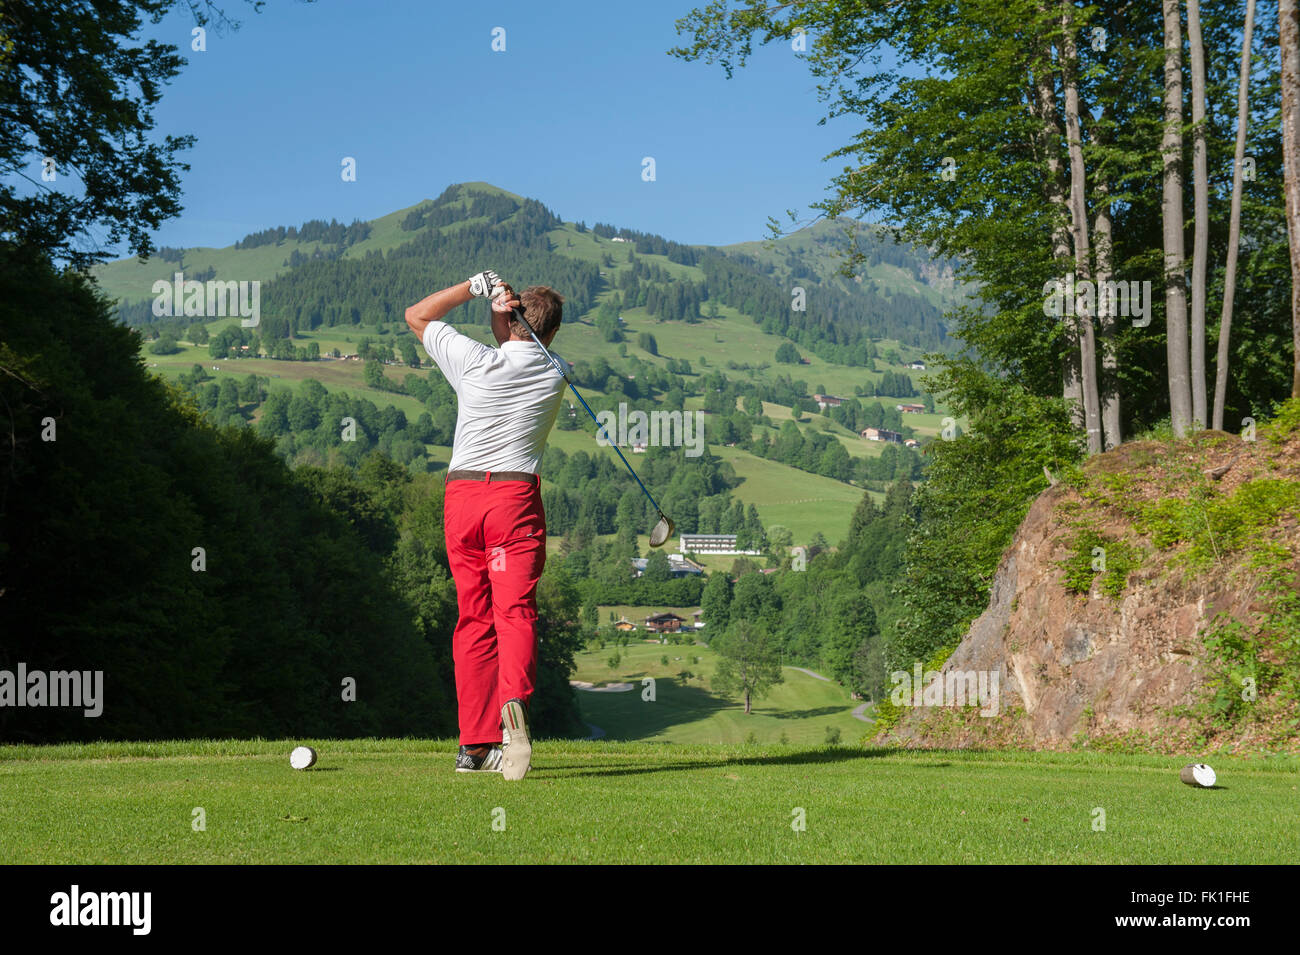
point(664, 528)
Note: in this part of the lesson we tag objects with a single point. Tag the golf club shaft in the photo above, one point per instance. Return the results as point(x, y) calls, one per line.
point(520, 316)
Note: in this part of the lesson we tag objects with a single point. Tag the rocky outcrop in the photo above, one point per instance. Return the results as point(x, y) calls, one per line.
point(1073, 667)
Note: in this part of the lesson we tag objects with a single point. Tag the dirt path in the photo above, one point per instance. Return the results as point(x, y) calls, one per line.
point(857, 713)
point(815, 676)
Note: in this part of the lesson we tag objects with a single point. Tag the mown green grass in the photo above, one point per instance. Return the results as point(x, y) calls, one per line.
point(398, 801)
point(803, 502)
point(685, 709)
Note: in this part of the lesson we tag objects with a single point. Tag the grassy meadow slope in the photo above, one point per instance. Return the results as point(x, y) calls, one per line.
point(802, 709)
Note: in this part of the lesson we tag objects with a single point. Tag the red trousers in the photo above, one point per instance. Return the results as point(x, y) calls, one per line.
point(496, 546)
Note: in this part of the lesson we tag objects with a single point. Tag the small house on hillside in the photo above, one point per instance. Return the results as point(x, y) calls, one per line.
point(664, 623)
point(827, 401)
point(911, 409)
point(624, 625)
point(882, 434)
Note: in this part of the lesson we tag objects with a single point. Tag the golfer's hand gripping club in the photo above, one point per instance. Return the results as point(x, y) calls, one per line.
point(505, 301)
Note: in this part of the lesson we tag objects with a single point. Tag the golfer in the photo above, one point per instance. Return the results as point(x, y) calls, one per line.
point(509, 397)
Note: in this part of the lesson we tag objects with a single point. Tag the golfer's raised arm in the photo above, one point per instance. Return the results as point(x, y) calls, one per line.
point(434, 307)
point(503, 307)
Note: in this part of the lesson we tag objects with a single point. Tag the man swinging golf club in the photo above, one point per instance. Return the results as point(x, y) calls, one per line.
point(509, 397)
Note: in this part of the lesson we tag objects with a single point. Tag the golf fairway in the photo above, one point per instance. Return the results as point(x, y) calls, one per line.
point(398, 801)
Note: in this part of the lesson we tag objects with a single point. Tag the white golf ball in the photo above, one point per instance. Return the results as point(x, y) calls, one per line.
point(302, 757)
point(1198, 774)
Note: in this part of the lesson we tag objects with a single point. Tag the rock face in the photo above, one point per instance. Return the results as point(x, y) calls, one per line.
point(1072, 666)
point(1067, 663)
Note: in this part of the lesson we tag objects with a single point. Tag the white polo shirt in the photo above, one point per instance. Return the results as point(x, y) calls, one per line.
point(509, 398)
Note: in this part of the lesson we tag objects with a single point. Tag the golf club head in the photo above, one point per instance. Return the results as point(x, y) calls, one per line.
point(662, 531)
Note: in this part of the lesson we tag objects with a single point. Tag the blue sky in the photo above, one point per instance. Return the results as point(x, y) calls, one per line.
point(414, 91)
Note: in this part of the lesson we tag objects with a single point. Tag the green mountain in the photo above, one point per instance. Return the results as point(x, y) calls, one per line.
point(648, 322)
point(894, 271)
point(898, 295)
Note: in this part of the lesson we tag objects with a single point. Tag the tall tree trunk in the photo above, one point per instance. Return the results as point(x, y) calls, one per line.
point(1234, 226)
point(1201, 211)
point(1104, 231)
point(1289, 42)
point(1079, 229)
point(1171, 145)
point(1043, 105)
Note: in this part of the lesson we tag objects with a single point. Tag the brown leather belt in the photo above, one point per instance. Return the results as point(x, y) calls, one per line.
point(491, 476)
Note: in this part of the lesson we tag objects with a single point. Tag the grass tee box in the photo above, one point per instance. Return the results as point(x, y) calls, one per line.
point(398, 801)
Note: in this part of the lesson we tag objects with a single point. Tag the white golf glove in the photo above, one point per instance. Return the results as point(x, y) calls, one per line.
point(484, 284)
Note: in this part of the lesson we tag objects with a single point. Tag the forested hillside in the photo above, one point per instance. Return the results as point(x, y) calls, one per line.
point(221, 593)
